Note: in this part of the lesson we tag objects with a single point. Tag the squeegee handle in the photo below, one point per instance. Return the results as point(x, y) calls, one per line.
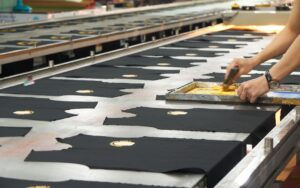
point(231, 75)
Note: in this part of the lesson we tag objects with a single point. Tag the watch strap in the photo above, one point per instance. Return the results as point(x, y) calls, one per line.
point(269, 77)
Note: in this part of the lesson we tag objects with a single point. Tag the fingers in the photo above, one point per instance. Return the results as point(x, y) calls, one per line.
point(245, 65)
point(252, 89)
point(235, 63)
point(242, 92)
point(253, 99)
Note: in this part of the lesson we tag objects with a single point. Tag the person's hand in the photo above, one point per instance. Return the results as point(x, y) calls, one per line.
point(245, 65)
point(252, 89)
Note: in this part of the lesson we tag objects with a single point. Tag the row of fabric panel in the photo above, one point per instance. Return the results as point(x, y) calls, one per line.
point(79, 34)
point(74, 34)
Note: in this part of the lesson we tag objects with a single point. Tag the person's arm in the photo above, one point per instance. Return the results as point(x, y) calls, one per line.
point(252, 89)
point(277, 47)
point(284, 39)
point(289, 62)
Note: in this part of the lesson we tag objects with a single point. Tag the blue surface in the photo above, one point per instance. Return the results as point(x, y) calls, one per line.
point(284, 94)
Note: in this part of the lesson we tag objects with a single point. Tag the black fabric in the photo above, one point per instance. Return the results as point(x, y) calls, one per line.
point(13, 131)
point(160, 97)
point(239, 33)
point(268, 67)
point(16, 183)
point(25, 43)
point(9, 49)
point(256, 123)
point(162, 155)
point(101, 28)
point(82, 32)
point(241, 121)
point(15, 30)
point(103, 31)
point(225, 39)
point(69, 87)
point(58, 37)
point(219, 77)
point(259, 67)
point(175, 52)
point(44, 109)
point(110, 72)
point(95, 19)
point(116, 28)
point(72, 22)
point(149, 61)
point(140, 24)
point(203, 44)
point(44, 26)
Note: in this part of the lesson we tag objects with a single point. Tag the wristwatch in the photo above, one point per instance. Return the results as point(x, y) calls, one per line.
point(273, 84)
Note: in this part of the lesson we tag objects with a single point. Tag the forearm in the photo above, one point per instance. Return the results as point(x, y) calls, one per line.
point(278, 46)
point(283, 40)
point(289, 62)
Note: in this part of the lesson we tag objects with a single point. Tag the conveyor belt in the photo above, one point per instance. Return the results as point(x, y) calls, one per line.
point(117, 105)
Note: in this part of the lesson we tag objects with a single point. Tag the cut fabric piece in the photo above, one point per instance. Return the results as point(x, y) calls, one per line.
point(255, 122)
point(268, 67)
point(162, 155)
point(177, 52)
point(82, 32)
point(204, 44)
point(130, 61)
point(258, 67)
point(41, 109)
point(110, 72)
point(240, 32)
point(13, 131)
point(219, 77)
point(210, 38)
point(58, 37)
point(16, 30)
point(16, 183)
point(53, 87)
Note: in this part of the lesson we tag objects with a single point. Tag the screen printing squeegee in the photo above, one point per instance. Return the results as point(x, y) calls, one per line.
point(213, 92)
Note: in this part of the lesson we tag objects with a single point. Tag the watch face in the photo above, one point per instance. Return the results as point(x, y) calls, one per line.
point(274, 84)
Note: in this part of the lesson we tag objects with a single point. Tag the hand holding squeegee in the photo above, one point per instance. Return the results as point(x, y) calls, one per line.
point(229, 80)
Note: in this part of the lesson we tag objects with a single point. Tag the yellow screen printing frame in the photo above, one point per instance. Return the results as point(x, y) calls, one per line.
point(211, 92)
